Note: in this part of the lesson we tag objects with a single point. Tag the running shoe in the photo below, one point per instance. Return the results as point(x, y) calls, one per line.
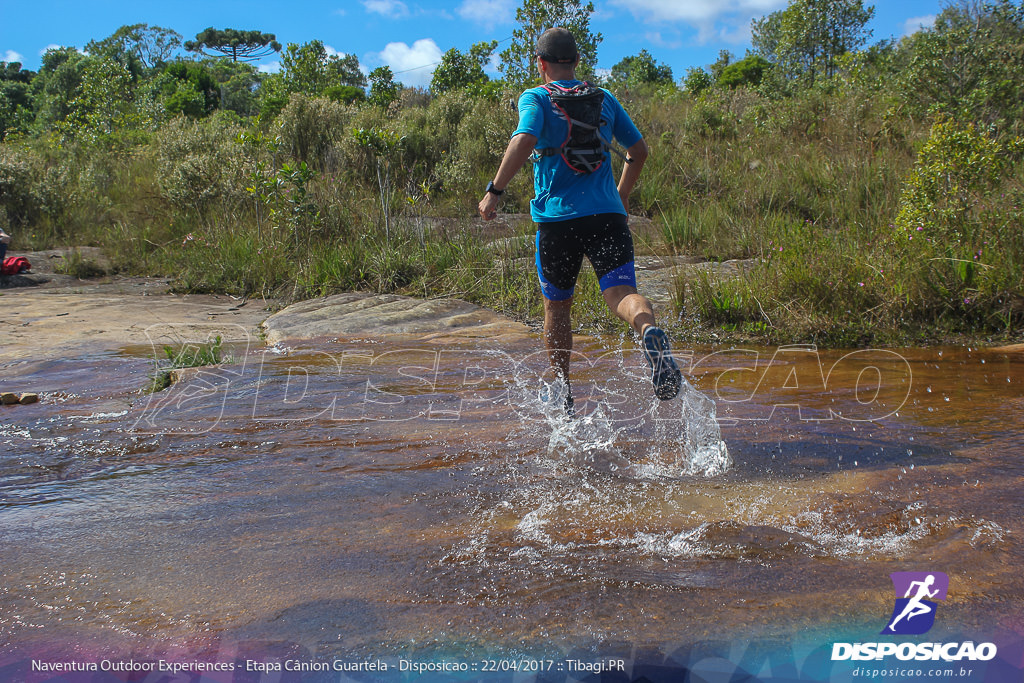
point(549, 392)
point(665, 373)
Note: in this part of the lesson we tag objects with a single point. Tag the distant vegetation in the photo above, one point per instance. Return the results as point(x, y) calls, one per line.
point(878, 186)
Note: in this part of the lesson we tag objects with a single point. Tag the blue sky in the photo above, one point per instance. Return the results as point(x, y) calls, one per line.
point(411, 35)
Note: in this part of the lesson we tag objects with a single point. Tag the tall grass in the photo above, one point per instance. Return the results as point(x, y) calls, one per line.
point(809, 188)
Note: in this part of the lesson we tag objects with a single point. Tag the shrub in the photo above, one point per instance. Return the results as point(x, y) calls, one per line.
point(311, 127)
point(748, 71)
point(17, 176)
point(199, 164)
point(958, 225)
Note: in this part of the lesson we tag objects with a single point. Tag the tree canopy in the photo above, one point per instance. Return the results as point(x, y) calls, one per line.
point(638, 70)
point(806, 38)
point(986, 81)
point(230, 42)
point(748, 71)
point(458, 69)
point(383, 89)
point(535, 17)
point(309, 69)
point(151, 45)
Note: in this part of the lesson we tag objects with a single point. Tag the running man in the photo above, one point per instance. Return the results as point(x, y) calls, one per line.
point(580, 214)
point(915, 607)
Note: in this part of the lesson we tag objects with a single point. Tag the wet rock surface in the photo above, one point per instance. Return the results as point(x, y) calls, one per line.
point(360, 314)
point(65, 316)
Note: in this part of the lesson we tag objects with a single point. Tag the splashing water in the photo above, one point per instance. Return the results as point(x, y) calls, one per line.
point(356, 526)
point(621, 428)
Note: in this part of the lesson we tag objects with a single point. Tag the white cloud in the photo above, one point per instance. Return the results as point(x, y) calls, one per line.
point(331, 52)
point(697, 12)
point(416, 63)
point(736, 35)
point(12, 56)
point(488, 11)
point(392, 9)
point(269, 68)
point(727, 20)
point(51, 46)
point(915, 24)
point(655, 38)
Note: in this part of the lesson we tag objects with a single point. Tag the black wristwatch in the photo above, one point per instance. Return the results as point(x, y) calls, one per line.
point(493, 190)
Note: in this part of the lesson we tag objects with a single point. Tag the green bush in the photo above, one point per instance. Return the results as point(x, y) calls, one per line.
point(748, 71)
point(311, 127)
point(199, 166)
point(958, 224)
point(18, 174)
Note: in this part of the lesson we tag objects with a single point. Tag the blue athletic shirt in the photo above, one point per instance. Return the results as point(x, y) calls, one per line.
point(559, 192)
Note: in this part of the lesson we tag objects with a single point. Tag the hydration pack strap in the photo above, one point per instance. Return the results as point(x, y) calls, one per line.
point(564, 151)
point(542, 152)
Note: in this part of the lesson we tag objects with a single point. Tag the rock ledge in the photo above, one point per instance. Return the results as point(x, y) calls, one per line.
point(360, 314)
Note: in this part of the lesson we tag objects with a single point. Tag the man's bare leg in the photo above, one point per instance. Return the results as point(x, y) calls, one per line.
point(633, 308)
point(558, 335)
point(638, 313)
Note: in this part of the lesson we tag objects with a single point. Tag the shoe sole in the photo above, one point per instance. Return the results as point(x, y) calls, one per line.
point(665, 374)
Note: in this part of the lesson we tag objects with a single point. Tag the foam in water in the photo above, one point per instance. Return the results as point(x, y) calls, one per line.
point(622, 428)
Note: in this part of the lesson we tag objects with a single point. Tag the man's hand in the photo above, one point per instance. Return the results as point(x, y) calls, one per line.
point(519, 149)
point(488, 207)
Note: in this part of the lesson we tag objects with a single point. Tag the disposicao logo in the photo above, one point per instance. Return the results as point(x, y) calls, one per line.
point(914, 612)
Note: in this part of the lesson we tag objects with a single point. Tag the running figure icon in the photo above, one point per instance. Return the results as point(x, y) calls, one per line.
point(916, 607)
point(914, 612)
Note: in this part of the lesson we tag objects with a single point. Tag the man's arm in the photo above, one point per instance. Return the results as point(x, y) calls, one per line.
point(518, 151)
point(637, 153)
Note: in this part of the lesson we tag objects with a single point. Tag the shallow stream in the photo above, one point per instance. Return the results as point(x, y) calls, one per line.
point(366, 499)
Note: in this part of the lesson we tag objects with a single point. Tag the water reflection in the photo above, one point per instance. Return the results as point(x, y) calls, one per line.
point(351, 497)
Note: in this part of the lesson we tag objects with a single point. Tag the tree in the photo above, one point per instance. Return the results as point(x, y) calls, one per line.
point(383, 89)
point(535, 17)
point(238, 45)
point(765, 34)
point(697, 80)
point(724, 60)
point(970, 64)
point(58, 83)
point(237, 82)
point(807, 37)
point(638, 70)
point(459, 70)
point(190, 89)
point(308, 69)
point(151, 45)
point(748, 71)
point(104, 101)
point(15, 98)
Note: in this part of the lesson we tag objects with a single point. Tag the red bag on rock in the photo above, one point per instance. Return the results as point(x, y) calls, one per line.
point(13, 265)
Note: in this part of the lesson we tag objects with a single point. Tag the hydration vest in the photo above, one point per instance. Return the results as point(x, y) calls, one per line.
point(581, 106)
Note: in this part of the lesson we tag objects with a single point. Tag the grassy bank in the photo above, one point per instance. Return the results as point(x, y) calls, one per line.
point(870, 216)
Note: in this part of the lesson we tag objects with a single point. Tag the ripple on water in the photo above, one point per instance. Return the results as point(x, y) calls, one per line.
point(512, 522)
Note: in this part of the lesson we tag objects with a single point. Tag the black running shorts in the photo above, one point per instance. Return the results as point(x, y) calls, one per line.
point(604, 239)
